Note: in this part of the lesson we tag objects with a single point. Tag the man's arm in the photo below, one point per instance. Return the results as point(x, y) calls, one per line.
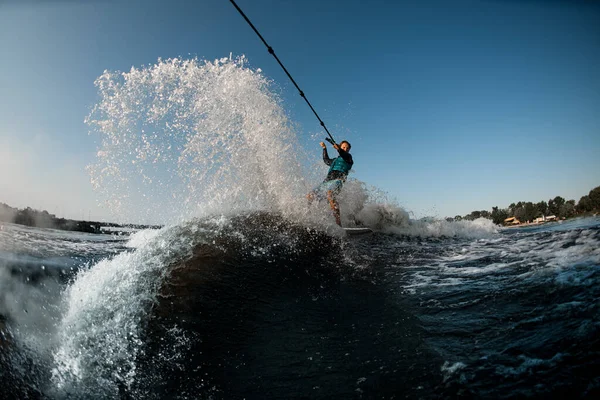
point(326, 158)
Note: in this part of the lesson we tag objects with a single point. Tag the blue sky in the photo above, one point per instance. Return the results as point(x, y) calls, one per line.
point(451, 106)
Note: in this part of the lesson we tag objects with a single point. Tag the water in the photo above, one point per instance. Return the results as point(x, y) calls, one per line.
point(248, 292)
point(258, 306)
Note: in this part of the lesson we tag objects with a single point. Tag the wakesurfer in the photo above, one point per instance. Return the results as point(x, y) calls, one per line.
point(339, 168)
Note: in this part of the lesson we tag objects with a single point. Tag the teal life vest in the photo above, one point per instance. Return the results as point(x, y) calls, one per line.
point(339, 164)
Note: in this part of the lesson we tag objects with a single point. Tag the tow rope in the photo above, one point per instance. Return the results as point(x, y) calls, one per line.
point(330, 139)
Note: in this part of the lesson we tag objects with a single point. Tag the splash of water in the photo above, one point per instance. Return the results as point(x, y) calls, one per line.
point(188, 137)
point(185, 138)
point(100, 334)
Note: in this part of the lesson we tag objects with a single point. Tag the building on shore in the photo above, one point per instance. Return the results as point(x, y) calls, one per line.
point(512, 221)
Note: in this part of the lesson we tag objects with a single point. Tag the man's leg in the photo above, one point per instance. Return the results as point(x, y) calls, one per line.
point(334, 206)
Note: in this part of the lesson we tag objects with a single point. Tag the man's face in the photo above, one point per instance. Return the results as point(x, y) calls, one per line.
point(345, 146)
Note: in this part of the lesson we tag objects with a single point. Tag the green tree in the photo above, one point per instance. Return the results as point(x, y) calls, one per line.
point(477, 214)
point(473, 215)
point(595, 198)
point(542, 207)
point(530, 211)
point(585, 204)
point(555, 204)
point(499, 215)
point(567, 210)
point(519, 211)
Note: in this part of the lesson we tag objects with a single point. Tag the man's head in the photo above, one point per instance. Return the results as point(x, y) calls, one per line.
point(345, 145)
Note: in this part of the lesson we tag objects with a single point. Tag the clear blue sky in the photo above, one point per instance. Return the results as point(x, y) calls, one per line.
point(451, 106)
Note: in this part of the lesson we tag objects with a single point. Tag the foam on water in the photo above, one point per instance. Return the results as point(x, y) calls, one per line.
point(564, 257)
point(390, 218)
point(100, 332)
point(480, 228)
point(142, 237)
point(515, 305)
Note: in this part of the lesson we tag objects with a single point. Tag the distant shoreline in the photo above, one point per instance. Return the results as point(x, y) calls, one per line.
point(43, 219)
point(525, 224)
point(559, 221)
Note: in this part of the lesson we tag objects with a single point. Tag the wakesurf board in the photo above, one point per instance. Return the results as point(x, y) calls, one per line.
point(357, 231)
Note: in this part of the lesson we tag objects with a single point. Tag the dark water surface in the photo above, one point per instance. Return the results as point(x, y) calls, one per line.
point(258, 307)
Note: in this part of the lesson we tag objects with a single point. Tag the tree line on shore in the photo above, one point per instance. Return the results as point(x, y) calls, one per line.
point(529, 211)
point(43, 219)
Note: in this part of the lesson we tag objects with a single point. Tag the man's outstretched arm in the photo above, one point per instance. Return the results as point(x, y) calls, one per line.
point(326, 158)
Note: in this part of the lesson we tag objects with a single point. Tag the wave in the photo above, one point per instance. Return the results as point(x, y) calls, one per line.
point(103, 331)
point(529, 297)
point(234, 306)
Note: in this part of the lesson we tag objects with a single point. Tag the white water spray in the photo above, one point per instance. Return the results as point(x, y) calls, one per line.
point(184, 138)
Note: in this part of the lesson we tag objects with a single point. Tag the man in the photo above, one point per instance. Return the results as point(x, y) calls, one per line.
point(338, 172)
